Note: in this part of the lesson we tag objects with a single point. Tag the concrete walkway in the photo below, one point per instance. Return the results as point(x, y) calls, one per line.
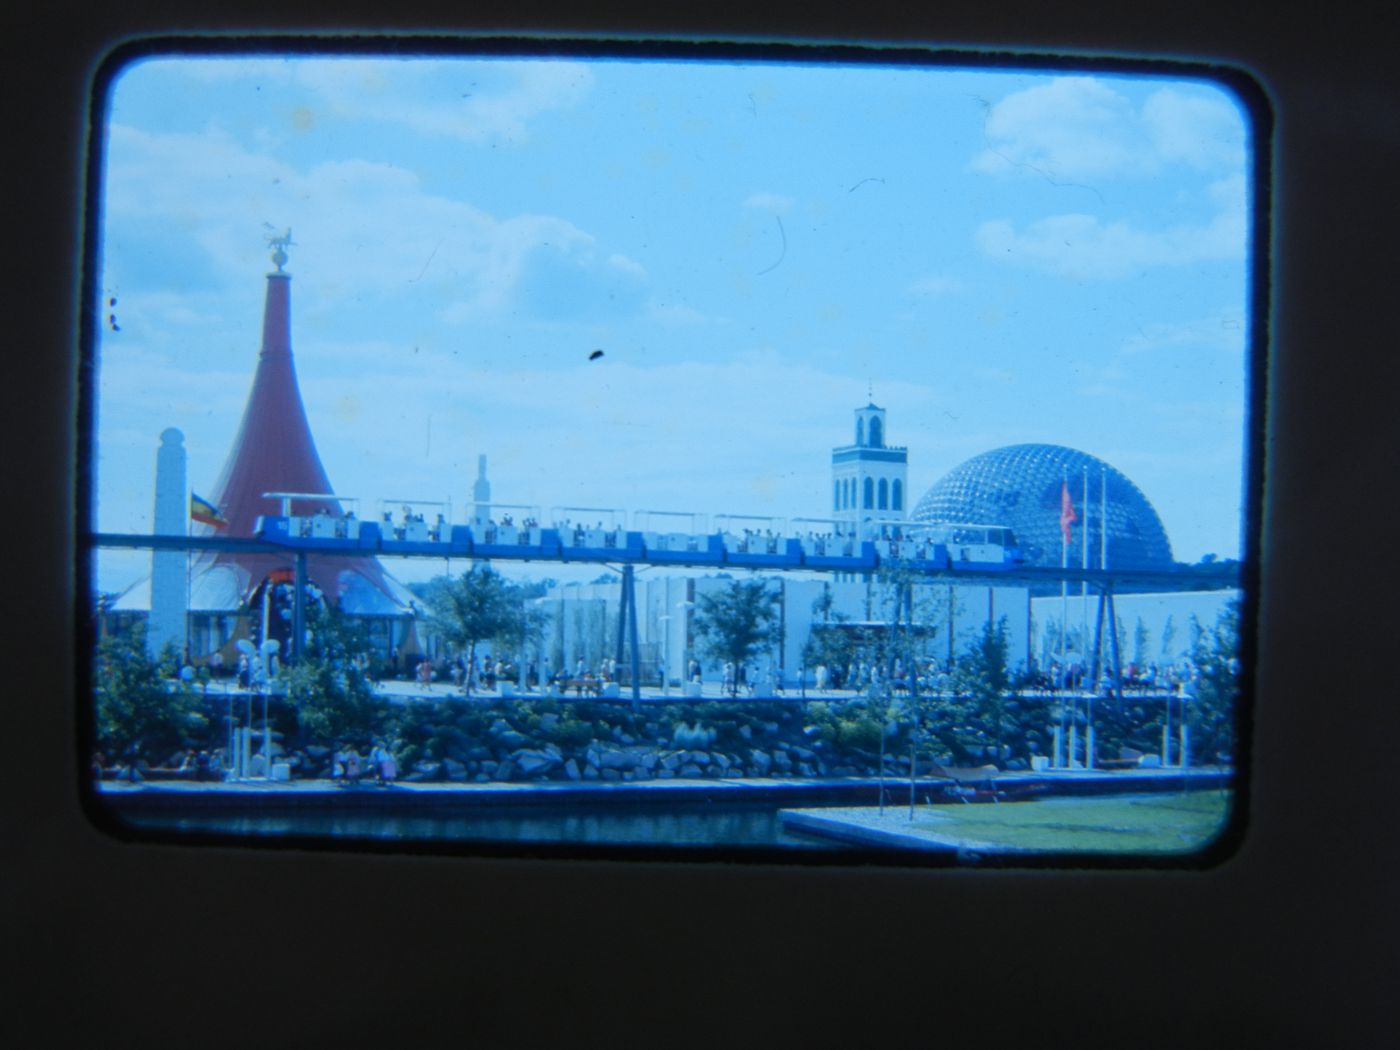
point(405, 691)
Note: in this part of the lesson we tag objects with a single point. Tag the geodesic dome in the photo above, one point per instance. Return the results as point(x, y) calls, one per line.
point(1019, 486)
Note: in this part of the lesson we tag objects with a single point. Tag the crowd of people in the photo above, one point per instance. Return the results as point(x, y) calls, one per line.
point(379, 766)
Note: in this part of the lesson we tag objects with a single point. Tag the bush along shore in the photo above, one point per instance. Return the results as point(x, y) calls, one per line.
point(326, 707)
point(542, 739)
point(559, 740)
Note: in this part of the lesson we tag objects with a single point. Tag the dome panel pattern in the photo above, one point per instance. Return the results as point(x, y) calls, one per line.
point(1019, 486)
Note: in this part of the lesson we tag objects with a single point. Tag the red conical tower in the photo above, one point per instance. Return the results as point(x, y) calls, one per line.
point(275, 452)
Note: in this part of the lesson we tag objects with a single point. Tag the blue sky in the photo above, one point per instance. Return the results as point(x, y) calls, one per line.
point(999, 257)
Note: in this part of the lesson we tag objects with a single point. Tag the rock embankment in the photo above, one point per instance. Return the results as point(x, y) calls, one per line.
point(547, 740)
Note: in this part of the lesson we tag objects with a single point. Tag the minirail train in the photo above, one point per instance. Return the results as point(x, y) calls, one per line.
point(910, 545)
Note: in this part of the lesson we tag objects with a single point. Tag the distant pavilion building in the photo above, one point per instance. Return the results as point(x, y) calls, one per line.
point(869, 479)
point(231, 593)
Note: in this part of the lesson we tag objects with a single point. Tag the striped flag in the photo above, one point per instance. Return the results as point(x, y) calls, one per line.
point(204, 512)
point(1067, 515)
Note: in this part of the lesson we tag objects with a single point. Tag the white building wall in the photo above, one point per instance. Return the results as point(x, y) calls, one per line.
point(577, 610)
point(1166, 619)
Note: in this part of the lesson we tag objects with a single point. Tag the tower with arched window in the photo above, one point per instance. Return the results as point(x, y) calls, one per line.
point(869, 478)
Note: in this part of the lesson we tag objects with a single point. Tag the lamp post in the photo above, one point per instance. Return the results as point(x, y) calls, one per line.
point(685, 607)
point(267, 652)
point(665, 621)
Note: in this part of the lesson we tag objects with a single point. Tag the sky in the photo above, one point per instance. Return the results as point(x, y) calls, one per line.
point(994, 257)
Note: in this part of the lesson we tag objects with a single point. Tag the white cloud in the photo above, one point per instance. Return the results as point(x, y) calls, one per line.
point(620, 262)
point(471, 101)
point(367, 229)
point(1070, 128)
point(216, 69)
point(1080, 128)
point(674, 314)
point(774, 202)
point(1225, 332)
point(1203, 131)
point(1084, 247)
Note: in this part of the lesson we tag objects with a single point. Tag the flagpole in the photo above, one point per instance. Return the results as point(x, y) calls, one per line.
point(1103, 520)
point(1064, 610)
point(1084, 564)
point(189, 555)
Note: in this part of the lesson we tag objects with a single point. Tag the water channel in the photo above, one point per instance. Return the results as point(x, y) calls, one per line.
point(754, 824)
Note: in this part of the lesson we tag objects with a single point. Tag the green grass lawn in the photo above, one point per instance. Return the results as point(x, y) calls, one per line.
point(1161, 823)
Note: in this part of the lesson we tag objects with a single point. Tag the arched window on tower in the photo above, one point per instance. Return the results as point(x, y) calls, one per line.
point(836, 495)
point(884, 494)
point(869, 493)
point(897, 495)
point(860, 431)
point(877, 436)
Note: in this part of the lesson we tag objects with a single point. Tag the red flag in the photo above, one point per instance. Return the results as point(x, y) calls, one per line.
point(1067, 515)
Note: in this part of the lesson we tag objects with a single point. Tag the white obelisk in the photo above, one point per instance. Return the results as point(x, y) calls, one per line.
point(168, 568)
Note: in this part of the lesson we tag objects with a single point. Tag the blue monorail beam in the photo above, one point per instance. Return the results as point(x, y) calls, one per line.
point(279, 535)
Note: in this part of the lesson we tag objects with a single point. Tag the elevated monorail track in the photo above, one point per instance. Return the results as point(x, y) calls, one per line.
point(874, 562)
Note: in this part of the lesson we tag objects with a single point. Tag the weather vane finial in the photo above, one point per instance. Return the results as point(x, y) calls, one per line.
point(279, 245)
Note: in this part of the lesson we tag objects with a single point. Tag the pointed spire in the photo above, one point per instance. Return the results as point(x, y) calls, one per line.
point(275, 452)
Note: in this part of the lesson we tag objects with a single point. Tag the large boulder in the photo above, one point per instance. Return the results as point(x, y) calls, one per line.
point(572, 771)
point(454, 770)
point(534, 763)
point(760, 762)
point(617, 760)
point(506, 770)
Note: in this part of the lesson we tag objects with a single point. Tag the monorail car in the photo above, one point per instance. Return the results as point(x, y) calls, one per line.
point(907, 545)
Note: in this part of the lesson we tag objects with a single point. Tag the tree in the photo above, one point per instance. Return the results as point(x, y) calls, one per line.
point(825, 645)
point(982, 677)
point(1140, 636)
point(1211, 713)
point(327, 685)
point(1168, 639)
point(137, 709)
point(738, 622)
point(478, 606)
point(908, 617)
